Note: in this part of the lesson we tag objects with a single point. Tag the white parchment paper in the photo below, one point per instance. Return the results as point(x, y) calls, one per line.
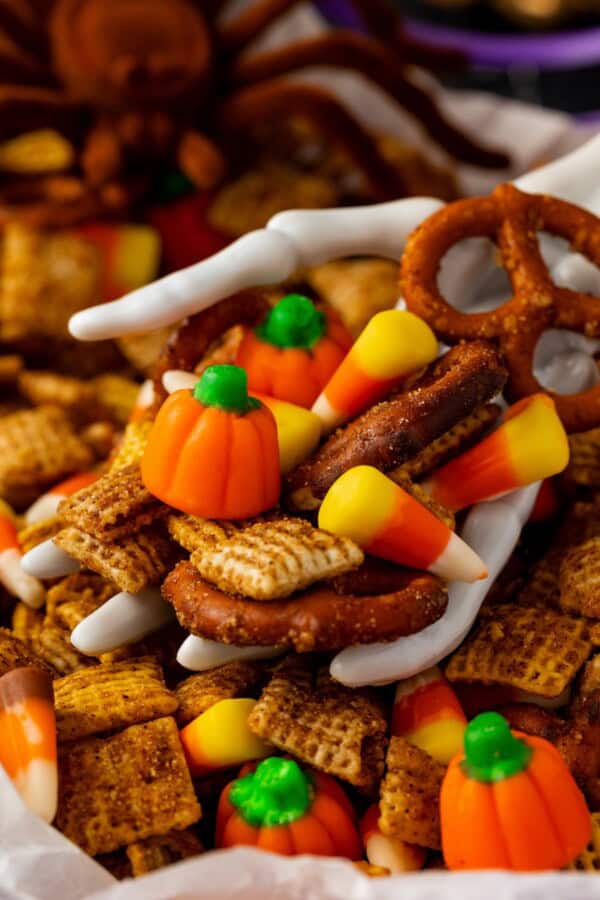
point(38, 863)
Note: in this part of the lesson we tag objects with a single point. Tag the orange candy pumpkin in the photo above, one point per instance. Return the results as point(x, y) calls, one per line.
point(213, 451)
point(294, 353)
point(510, 802)
point(278, 806)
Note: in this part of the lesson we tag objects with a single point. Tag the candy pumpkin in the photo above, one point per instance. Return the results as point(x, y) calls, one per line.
point(510, 802)
point(294, 352)
point(213, 451)
point(280, 807)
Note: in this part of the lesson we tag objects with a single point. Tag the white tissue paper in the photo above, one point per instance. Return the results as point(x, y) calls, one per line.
point(38, 863)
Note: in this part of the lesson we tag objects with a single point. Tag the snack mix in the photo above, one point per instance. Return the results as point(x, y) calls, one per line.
point(195, 521)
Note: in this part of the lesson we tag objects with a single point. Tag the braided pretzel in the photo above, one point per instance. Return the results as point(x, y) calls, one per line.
point(317, 619)
point(512, 220)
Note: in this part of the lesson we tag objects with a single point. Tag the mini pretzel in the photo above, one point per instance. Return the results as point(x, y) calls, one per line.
point(512, 220)
point(316, 619)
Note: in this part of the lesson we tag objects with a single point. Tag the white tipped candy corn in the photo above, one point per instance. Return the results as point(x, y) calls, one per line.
point(15, 580)
point(365, 505)
point(388, 852)
point(45, 506)
point(49, 561)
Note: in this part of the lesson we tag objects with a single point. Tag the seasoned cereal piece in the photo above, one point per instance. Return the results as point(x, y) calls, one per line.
point(75, 597)
point(336, 729)
point(198, 692)
point(110, 697)
point(116, 395)
point(117, 504)
point(11, 365)
point(410, 795)
point(589, 859)
point(38, 448)
point(584, 459)
point(122, 789)
point(32, 535)
point(579, 579)
point(15, 653)
point(194, 533)
point(26, 622)
point(132, 563)
point(75, 396)
point(164, 850)
point(273, 559)
point(464, 434)
point(132, 446)
point(116, 863)
point(53, 644)
point(536, 650)
point(143, 350)
point(356, 288)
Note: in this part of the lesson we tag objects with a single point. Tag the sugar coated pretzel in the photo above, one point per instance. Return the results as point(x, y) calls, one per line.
point(512, 219)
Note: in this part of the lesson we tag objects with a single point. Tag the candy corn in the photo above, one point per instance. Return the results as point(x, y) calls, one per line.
point(144, 401)
point(365, 505)
point(28, 738)
point(15, 580)
point(427, 713)
point(220, 738)
point(393, 345)
point(389, 852)
point(530, 445)
point(46, 505)
point(298, 431)
point(130, 255)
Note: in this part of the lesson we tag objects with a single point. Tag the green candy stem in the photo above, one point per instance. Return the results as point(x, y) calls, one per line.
point(225, 387)
point(293, 322)
point(492, 752)
point(277, 793)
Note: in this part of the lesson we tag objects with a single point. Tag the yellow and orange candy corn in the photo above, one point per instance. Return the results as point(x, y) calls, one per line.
point(298, 431)
point(15, 580)
point(130, 255)
point(220, 738)
point(365, 505)
point(427, 714)
point(530, 445)
point(389, 852)
point(28, 738)
point(45, 506)
point(392, 346)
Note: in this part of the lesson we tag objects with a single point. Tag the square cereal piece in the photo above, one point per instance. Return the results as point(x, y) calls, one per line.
point(410, 795)
point(53, 644)
point(116, 863)
point(336, 729)
point(199, 692)
point(579, 579)
point(132, 446)
point(584, 459)
point(536, 650)
point(158, 852)
point(75, 396)
point(26, 623)
point(273, 559)
point(32, 535)
point(122, 789)
point(464, 434)
point(194, 533)
point(38, 447)
point(132, 563)
point(116, 396)
point(589, 859)
point(15, 653)
point(46, 277)
point(11, 366)
point(117, 504)
point(110, 697)
point(75, 597)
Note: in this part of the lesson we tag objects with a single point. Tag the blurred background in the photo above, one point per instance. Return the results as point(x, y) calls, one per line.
point(539, 51)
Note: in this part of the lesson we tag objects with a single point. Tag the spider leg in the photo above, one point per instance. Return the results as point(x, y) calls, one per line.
point(378, 63)
point(280, 98)
point(234, 36)
point(200, 160)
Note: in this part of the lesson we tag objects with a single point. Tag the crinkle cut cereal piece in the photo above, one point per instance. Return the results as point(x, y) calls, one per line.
point(122, 789)
point(26, 622)
point(116, 505)
point(584, 463)
point(110, 697)
point(194, 533)
point(131, 563)
point(76, 397)
point(164, 850)
point(116, 396)
point(579, 579)
point(75, 597)
point(271, 560)
point(535, 650)
point(53, 644)
point(409, 795)
point(15, 653)
point(199, 692)
point(38, 448)
point(32, 535)
point(333, 728)
point(132, 445)
point(589, 859)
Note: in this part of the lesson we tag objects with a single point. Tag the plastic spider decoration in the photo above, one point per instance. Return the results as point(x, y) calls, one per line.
point(133, 82)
